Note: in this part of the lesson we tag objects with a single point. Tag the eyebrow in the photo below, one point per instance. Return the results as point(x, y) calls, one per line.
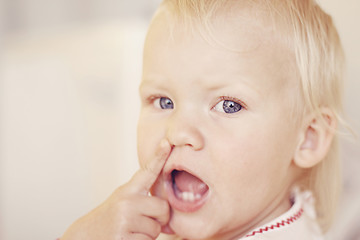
point(145, 82)
point(158, 82)
point(241, 81)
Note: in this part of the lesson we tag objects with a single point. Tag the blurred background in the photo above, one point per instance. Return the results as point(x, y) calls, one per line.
point(69, 71)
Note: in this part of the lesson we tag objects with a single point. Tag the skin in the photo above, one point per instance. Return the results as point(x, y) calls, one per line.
point(129, 213)
point(246, 158)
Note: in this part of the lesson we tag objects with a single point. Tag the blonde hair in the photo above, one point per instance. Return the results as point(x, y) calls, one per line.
point(311, 34)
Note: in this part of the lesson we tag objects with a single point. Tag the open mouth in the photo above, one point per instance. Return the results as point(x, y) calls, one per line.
point(186, 192)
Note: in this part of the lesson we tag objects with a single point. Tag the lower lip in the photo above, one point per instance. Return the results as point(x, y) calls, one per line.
point(179, 204)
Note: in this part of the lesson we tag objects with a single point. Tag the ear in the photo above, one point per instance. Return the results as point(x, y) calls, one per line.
point(315, 139)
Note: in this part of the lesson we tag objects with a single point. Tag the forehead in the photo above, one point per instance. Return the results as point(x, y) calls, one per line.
point(239, 39)
point(256, 19)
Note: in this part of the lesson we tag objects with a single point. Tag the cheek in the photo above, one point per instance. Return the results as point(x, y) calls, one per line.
point(249, 169)
point(247, 154)
point(149, 136)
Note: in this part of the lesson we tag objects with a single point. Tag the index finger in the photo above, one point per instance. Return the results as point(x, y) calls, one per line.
point(146, 176)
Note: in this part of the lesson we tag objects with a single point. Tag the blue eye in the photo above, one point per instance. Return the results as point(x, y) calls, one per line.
point(165, 103)
point(228, 106)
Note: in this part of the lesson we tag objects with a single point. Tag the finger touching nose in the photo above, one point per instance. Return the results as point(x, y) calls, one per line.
point(184, 132)
point(146, 176)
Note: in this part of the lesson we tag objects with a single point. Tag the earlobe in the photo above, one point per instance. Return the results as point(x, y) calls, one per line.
point(316, 138)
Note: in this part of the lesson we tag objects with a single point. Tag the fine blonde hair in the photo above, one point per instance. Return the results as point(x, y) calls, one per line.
point(312, 36)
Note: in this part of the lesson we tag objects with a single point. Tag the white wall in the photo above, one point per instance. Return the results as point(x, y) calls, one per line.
point(68, 110)
point(347, 19)
point(68, 120)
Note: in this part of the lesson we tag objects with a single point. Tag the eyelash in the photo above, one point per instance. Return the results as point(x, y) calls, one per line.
point(151, 99)
point(228, 98)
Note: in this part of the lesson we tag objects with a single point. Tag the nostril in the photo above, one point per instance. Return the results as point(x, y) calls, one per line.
point(184, 132)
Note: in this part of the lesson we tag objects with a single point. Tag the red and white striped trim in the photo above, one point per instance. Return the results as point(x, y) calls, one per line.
point(277, 225)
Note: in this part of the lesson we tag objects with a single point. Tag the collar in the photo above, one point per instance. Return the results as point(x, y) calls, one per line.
point(297, 224)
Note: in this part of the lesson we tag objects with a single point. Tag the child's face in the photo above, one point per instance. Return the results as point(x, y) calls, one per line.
point(228, 116)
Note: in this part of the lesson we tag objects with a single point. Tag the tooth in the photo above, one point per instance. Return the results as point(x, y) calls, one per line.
point(184, 196)
point(197, 196)
point(191, 197)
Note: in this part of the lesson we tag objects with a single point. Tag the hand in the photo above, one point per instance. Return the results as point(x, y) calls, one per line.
point(130, 212)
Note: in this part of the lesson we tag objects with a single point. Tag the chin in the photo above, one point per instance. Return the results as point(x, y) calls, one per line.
point(195, 225)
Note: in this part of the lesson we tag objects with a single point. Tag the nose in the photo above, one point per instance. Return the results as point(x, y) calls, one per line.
point(184, 131)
